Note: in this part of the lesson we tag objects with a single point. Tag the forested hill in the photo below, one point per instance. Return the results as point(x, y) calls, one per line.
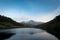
point(52, 26)
point(6, 22)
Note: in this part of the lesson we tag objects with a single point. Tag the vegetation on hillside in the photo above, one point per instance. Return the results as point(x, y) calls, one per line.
point(6, 22)
point(52, 26)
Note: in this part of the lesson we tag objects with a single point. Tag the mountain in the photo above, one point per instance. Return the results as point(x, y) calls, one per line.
point(6, 22)
point(31, 22)
point(52, 26)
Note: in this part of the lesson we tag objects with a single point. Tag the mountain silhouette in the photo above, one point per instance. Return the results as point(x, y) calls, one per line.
point(31, 22)
point(6, 22)
point(52, 26)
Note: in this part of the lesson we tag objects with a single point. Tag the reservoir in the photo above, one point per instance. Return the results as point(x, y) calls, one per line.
point(28, 34)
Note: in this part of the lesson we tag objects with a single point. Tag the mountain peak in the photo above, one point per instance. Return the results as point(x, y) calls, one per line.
point(32, 22)
point(57, 18)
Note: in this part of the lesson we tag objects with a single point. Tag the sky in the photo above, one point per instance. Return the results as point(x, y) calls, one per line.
point(25, 10)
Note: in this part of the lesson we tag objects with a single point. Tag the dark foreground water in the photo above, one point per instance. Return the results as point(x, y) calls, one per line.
point(28, 34)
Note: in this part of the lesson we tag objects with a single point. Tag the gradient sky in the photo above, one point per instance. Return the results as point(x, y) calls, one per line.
point(24, 10)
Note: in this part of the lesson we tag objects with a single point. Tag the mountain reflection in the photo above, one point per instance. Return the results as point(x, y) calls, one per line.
point(28, 34)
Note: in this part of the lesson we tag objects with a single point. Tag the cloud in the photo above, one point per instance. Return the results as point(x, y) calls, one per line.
point(49, 16)
point(23, 15)
point(40, 17)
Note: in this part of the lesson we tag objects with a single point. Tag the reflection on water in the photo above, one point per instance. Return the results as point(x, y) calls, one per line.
point(29, 34)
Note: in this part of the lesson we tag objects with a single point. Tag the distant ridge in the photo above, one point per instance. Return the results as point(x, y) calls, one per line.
point(31, 22)
point(52, 26)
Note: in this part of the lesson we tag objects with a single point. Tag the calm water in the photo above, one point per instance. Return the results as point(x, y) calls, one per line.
point(29, 34)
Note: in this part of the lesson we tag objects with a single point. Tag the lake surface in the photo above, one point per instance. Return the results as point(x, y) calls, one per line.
point(29, 34)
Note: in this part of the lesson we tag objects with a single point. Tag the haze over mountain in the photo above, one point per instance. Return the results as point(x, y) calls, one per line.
point(31, 22)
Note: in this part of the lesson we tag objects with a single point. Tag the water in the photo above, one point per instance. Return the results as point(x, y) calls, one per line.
point(29, 34)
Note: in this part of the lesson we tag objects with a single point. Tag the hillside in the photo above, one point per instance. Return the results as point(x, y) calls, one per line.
point(52, 26)
point(6, 22)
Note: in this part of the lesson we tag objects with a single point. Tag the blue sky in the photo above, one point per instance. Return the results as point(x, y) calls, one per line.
point(24, 10)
